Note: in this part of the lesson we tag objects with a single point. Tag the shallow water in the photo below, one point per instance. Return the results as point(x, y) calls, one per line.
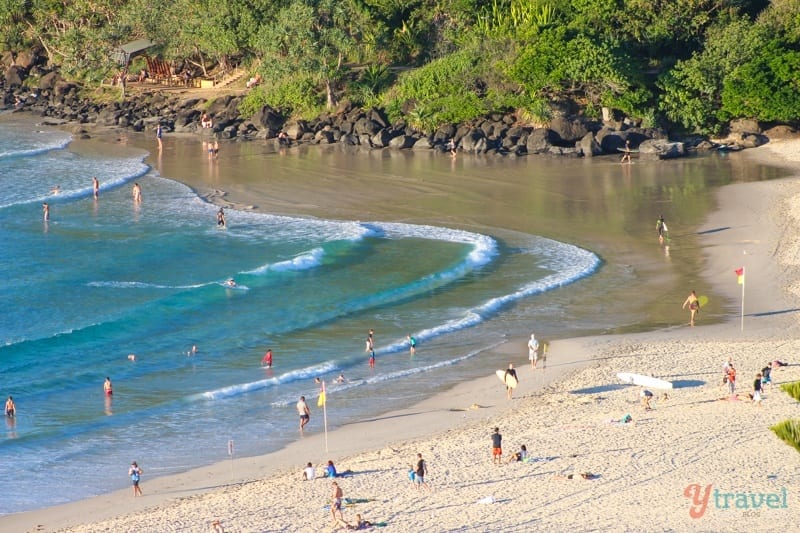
point(106, 278)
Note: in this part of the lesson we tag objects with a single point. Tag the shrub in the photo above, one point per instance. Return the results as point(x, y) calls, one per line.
point(789, 432)
point(792, 389)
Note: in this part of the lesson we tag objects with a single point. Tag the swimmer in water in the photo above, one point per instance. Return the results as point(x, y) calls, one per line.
point(55, 189)
point(230, 282)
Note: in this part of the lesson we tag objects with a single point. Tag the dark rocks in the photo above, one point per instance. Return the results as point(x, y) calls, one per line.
point(661, 149)
point(402, 142)
point(540, 140)
point(13, 77)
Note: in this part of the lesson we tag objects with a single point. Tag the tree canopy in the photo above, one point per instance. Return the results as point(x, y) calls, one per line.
point(692, 64)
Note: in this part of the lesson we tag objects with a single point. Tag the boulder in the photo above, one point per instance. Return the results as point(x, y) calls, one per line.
point(611, 140)
point(13, 77)
point(781, 132)
point(744, 125)
point(470, 142)
point(540, 140)
point(6, 59)
point(423, 144)
point(568, 130)
point(49, 80)
point(379, 117)
point(661, 149)
point(349, 139)
point(25, 59)
point(295, 129)
point(589, 145)
point(381, 139)
point(402, 142)
point(268, 118)
point(365, 126)
point(324, 137)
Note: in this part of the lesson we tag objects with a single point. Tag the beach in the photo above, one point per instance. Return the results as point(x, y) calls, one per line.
point(694, 439)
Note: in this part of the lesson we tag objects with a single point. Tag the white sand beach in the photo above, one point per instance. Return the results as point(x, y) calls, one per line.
point(695, 450)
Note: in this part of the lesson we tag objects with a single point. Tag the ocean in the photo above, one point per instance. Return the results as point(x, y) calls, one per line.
point(107, 278)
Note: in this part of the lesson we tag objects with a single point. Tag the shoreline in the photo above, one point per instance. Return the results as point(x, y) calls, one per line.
point(188, 488)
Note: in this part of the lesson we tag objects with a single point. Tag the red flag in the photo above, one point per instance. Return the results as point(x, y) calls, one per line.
point(740, 275)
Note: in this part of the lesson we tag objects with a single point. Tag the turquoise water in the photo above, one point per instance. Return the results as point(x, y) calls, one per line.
point(105, 278)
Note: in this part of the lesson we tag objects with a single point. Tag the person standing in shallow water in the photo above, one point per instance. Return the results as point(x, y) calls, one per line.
point(95, 187)
point(694, 306)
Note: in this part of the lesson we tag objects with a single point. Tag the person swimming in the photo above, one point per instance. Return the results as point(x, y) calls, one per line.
point(230, 282)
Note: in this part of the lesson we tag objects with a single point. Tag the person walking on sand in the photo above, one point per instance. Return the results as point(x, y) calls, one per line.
point(497, 447)
point(533, 351)
point(136, 474)
point(304, 412)
point(267, 360)
point(95, 187)
point(336, 507)
point(420, 473)
point(46, 211)
point(412, 345)
point(11, 409)
point(646, 397)
point(757, 390)
point(694, 306)
point(513, 373)
point(107, 387)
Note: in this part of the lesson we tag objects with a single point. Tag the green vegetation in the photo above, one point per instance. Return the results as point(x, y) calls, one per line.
point(789, 432)
point(694, 64)
point(792, 389)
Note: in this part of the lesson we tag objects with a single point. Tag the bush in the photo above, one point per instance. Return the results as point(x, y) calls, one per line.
point(789, 432)
point(298, 96)
point(792, 389)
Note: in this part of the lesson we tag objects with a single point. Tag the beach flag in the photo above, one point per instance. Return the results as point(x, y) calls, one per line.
point(740, 275)
point(321, 400)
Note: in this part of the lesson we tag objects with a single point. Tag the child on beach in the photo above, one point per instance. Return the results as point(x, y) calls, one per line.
point(412, 475)
point(136, 473)
point(757, 390)
point(646, 396)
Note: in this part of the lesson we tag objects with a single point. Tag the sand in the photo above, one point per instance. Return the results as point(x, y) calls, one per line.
point(696, 442)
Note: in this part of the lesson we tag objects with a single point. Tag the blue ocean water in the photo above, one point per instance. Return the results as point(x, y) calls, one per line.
point(106, 277)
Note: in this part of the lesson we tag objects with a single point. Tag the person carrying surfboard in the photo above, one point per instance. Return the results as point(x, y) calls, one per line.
point(661, 228)
point(694, 306)
point(626, 152)
point(510, 379)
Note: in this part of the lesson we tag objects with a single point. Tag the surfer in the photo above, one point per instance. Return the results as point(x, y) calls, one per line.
point(230, 283)
point(694, 306)
point(267, 359)
point(451, 147)
point(533, 351)
point(661, 228)
point(95, 187)
point(626, 152)
point(107, 387)
point(412, 345)
point(513, 373)
point(221, 218)
point(55, 189)
point(340, 379)
point(11, 409)
point(304, 412)
point(46, 211)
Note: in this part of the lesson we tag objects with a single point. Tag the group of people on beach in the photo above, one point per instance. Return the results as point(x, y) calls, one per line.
point(761, 380)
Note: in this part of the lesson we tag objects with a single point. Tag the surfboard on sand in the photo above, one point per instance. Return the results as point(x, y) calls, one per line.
point(510, 382)
point(628, 150)
point(644, 381)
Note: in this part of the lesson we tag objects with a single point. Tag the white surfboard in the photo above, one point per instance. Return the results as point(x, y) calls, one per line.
point(509, 381)
point(644, 381)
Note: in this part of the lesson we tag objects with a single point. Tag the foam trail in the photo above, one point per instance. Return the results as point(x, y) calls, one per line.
point(288, 377)
point(303, 261)
point(571, 265)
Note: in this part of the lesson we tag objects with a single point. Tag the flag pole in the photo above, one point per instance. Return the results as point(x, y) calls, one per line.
point(325, 414)
point(744, 278)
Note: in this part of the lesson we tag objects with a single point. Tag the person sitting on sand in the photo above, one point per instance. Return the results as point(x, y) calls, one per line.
point(582, 475)
point(520, 456)
point(309, 473)
point(360, 523)
point(330, 470)
point(646, 396)
point(776, 364)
